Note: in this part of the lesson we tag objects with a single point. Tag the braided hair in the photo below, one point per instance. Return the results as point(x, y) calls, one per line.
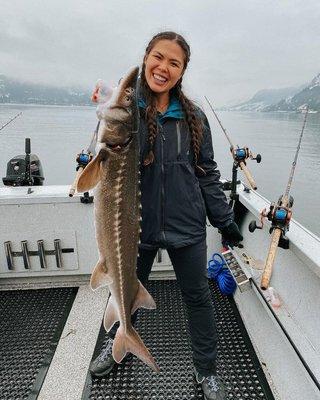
point(193, 120)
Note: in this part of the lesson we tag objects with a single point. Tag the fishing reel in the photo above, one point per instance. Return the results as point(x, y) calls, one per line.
point(241, 154)
point(83, 159)
point(279, 215)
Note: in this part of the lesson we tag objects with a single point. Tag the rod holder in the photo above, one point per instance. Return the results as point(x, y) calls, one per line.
point(25, 254)
point(57, 251)
point(42, 254)
point(9, 256)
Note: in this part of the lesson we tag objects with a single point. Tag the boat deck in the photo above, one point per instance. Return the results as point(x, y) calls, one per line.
point(31, 325)
point(44, 224)
point(30, 332)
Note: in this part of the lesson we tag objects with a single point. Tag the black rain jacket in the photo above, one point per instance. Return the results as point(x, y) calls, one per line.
point(175, 200)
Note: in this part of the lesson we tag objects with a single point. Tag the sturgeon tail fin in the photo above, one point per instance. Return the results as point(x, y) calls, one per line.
point(130, 342)
point(99, 276)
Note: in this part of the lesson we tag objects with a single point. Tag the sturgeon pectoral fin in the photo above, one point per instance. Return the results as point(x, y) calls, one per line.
point(100, 276)
point(92, 173)
point(143, 299)
point(110, 315)
point(130, 342)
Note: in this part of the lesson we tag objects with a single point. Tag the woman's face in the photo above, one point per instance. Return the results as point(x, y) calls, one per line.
point(164, 66)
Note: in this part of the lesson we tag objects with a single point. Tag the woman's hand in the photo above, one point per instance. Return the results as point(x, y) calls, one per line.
point(231, 235)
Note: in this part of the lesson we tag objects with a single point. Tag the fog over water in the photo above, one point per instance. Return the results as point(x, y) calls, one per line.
point(58, 133)
point(237, 47)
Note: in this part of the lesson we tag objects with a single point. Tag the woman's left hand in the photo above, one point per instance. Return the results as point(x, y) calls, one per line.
point(231, 235)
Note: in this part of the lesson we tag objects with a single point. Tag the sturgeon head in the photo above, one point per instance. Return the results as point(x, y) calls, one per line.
point(119, 115)
point(115, 173)
point(119, 122)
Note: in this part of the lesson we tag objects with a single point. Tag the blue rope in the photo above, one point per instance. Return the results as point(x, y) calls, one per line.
point(218, 271)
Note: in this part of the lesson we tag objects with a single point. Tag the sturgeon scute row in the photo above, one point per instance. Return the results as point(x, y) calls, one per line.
point(114, 173)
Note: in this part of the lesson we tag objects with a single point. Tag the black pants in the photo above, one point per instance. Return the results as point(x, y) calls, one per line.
point(189, 264)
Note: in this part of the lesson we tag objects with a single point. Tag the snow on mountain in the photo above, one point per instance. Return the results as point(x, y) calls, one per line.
point(307, 97)
point(315, 82)
point(264, 98)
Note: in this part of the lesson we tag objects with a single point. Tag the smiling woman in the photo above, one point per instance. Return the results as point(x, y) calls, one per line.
point(164, 66)
point(179, 187)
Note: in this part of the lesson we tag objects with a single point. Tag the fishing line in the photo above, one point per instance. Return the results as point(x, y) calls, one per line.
point(286, 194)
point(224, 130)
point(239, 155)
point(10, 120)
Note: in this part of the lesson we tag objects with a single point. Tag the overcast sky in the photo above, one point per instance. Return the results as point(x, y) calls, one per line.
point(238, 47)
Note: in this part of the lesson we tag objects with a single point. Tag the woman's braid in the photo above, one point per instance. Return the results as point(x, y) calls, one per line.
point(151, 117)
point(194, 124)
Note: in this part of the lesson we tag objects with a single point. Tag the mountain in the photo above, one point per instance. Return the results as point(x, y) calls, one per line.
point(263, 99)
point(12, 91)
point(310, 96)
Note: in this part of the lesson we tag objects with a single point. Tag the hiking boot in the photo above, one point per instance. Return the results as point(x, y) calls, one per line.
point(213, 388)
point(103, 364)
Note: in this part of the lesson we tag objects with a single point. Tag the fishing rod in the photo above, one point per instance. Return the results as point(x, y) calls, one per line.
point(10, 120)
point(101, 95)
point(280, 215)
point(240, 155)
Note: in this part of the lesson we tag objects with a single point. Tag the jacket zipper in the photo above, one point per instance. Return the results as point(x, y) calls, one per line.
point(178, 139)
point(162, 183)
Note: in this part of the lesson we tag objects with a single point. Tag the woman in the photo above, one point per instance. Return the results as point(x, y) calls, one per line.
point(180, 187)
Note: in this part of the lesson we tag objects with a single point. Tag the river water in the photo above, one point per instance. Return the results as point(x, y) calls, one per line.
point(58, 133)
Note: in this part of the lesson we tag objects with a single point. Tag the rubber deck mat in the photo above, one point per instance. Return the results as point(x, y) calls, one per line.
point(165, 332)
point(31, 324)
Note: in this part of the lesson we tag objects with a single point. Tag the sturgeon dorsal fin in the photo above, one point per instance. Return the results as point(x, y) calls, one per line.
point(99, 276)
point(110, 315)
point(143, 299)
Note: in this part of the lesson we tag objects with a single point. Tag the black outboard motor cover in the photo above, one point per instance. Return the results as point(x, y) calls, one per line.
point(16, 171)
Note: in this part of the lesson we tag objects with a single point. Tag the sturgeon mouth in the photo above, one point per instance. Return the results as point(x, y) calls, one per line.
point(116, 147)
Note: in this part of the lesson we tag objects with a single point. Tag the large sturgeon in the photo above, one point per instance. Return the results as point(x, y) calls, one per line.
point(115, 173)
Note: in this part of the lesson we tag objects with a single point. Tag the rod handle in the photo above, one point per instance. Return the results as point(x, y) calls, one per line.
point(73, 187)
point(266, 276)
point(248, 175)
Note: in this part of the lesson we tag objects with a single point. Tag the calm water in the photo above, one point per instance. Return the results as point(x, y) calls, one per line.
point(58, 133)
